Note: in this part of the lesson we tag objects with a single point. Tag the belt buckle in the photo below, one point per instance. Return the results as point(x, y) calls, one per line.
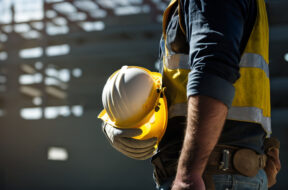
point(224, 164)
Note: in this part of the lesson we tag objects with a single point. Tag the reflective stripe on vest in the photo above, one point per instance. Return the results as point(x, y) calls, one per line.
point(180, 61)
point(252, 90)
point(248, 60)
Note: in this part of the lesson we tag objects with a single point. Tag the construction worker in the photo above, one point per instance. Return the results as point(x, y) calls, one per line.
point(215, 69)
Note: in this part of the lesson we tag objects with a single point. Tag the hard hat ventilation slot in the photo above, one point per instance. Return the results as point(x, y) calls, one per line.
point(157, 108)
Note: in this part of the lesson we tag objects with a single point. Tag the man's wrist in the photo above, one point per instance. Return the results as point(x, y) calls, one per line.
point(186, 178)
point(193, 181)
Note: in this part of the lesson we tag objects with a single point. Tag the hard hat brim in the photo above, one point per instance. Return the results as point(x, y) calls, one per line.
point(153, 126)
point(155, 122)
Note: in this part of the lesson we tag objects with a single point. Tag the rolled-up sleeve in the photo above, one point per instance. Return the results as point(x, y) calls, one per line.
point(214, 29)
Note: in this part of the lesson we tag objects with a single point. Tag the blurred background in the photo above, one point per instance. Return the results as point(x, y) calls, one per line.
point(55, 56)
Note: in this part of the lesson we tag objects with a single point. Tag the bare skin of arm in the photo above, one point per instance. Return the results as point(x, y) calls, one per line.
point(206, 117)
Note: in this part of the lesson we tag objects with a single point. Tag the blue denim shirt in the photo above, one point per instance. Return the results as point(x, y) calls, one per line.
point(216, 35)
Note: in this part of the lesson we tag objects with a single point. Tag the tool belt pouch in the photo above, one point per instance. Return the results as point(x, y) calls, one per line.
point(248, 163)
point(163, 172)
point(165, 162)
point(271, 143)
point(273, 164)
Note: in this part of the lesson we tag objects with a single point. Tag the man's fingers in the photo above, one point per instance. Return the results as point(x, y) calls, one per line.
point(121, 146)
point(134, 143)
point(121, 140)
point(138, 156)
point(146, 156)
point(130, 132)
point(113, 132)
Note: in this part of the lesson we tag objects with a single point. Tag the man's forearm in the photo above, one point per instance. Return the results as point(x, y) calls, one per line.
point(205, 120)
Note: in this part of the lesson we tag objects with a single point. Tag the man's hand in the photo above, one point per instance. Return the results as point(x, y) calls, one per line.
point(196, 183)
point(121, 140)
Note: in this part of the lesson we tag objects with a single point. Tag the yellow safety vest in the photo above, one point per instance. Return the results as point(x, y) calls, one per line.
point(251, 102)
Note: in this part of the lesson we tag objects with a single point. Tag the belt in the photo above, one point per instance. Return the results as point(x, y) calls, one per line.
point(223, 160)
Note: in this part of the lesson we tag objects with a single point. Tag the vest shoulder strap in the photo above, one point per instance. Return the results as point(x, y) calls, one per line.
point(181, 17)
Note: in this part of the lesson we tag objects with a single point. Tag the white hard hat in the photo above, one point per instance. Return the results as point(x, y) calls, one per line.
point(133, 98)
